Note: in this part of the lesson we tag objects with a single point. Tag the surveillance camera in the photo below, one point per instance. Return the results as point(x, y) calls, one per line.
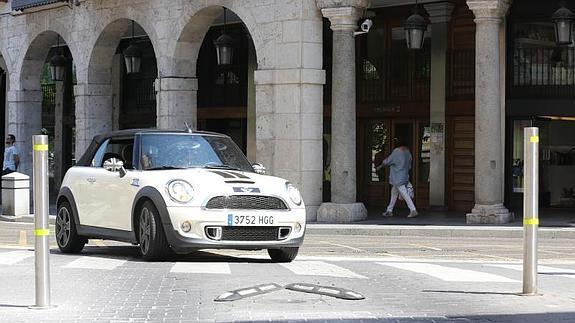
point(366, 25)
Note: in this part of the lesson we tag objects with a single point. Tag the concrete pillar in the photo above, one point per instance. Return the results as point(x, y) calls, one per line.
point(176, 102)
point(251, 113)
point(58, 135)
point(440, 15)
point(489, 165)
point(24, 121)
point(343, 119)
point(289, 128)
point(93, 113)
point(117, 79)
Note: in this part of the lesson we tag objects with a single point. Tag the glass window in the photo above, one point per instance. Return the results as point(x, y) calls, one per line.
point(378, 138)
point(425, 152)
point(537, 60)
point(517, 162)
point(161, 151)
point(118, 148)
point(97, 160)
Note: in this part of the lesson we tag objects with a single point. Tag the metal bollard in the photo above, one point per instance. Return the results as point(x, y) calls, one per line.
point(41, 230)
point(530, 209)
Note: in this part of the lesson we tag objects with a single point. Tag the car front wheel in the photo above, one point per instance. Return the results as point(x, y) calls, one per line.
point(153, 243)
point(66, 234)
point(283, 254)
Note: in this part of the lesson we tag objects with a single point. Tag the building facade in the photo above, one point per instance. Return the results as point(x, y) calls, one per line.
point(306, 95)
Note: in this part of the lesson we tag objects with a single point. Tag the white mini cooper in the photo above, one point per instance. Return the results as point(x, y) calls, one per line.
point(177, 191)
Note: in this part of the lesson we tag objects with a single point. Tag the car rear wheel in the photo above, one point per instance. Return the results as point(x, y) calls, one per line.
point(66, 235)
point(153, 243)
point(283, 254)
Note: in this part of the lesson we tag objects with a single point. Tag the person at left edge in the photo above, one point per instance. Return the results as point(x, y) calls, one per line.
point(11, 158)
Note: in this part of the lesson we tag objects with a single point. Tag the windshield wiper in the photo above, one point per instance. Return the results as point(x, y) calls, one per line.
point(164, 167)
point(222, 166)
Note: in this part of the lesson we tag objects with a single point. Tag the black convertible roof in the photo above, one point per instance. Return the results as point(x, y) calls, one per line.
point(132, 132)
point(87, 156)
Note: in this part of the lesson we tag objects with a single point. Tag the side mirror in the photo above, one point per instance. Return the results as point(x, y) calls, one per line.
point(115, 165)
point(259, 168)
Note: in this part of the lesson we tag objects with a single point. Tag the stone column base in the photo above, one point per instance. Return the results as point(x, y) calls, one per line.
point(341, 213)
point(489, 214)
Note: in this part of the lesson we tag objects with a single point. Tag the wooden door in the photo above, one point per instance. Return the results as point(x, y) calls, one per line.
point(374, 137)
point(461, 163)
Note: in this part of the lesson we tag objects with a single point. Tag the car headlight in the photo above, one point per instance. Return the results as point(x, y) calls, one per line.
point(180, 191)
point(293, 193)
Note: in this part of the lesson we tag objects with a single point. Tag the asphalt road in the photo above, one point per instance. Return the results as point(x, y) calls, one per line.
point(403, 279)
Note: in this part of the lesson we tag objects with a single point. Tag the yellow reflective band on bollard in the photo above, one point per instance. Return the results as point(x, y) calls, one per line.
point(40, 147)
point(41, 232)
point(534, 139)
point(531, 221)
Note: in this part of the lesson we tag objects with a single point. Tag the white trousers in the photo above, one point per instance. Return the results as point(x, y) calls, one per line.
point(395, 191)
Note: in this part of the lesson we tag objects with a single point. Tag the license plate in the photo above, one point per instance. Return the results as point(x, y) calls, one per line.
point(251, 220)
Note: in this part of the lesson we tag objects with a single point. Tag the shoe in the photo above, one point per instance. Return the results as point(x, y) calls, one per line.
point(387, 214)
point(412, 214)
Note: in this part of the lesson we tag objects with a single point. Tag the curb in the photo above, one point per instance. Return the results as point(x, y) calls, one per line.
point(24, 218)
point(443, 231)
point(436, 231)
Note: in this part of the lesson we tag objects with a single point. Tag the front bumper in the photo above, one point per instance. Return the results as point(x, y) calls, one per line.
point(200, 219)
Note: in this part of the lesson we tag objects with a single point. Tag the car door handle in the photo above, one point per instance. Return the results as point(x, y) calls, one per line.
point(91, 179)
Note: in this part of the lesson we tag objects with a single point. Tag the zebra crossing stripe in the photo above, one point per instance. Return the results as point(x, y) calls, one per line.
point(14, 257)
point(561, 272)
point(449, 274)
point(95, 263)
point(320, 268)
point(201, 268)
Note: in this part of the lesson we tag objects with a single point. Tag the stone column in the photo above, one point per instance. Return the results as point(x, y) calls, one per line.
point(343, 119)
point(489, 165)
point(176, 102)
point(117, 80)
point(289, 124)
point(58, 135)
point(24, 121)
point(440, 15)
point(93, 113)
point(251, 148)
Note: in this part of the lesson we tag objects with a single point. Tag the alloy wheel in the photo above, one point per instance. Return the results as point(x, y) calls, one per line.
point(63, 226)
point(145, 230)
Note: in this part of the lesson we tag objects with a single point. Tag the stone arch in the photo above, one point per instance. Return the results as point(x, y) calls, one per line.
point(184, 56)
point(100, 58)
point(35, 57)
point(5, 62)
point(25, 98)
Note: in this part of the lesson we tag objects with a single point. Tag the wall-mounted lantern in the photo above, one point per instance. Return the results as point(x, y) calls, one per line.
point(58, 64)
point(563, 19)
point(132, 56)
point(224, 46)
point(415, 27)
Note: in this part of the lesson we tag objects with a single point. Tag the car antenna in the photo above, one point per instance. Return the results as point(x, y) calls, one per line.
point(188, 129)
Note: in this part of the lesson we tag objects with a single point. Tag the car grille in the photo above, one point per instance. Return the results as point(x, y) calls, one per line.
point(246, 202)
point(250, 233)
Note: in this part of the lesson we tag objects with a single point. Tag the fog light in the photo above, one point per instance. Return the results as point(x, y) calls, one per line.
point(186, 226)
point(297, 227)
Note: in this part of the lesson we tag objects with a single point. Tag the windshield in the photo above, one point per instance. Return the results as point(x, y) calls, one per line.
point(175, 151)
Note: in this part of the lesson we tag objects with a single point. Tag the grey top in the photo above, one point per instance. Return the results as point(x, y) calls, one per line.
point(399, 163)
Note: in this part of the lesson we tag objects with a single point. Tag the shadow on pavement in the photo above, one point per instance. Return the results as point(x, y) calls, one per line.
point(132, 254)
point(470, 293)
point(13, 306)
point(531, 317)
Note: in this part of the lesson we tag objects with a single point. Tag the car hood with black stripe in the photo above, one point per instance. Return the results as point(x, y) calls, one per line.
point(208, 183)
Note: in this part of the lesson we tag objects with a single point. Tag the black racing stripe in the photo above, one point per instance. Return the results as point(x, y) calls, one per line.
point(240, 182)
point(223, 174)
point(239, 175)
